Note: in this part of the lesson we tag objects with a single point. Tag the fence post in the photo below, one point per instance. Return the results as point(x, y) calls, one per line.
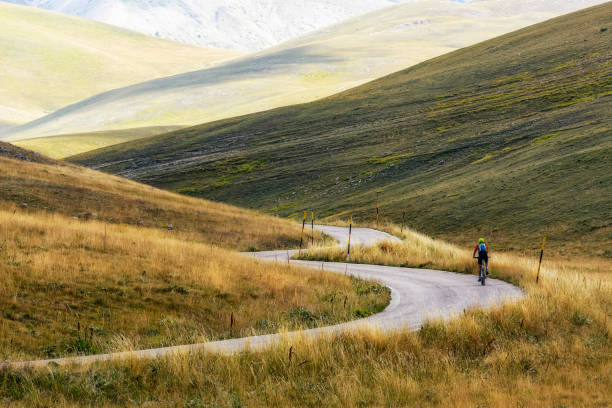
point(403, 219)
point(377, 208)
point(312, 225)
point(302, 236)
point(540, 263)
point(348, 251)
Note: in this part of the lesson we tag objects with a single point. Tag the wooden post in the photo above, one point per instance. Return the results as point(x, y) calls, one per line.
point(312, 225)
point(302, 237)
point(541, 255)
point(377, 208)
point(403, 219)
point(348, 251)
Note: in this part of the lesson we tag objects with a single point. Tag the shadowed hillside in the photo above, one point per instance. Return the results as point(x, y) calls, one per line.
point(510, 138)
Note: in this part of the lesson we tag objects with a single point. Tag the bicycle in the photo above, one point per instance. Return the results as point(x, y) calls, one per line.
point(483, 271)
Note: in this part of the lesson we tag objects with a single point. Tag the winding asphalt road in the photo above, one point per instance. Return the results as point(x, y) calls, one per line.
point(416, 294)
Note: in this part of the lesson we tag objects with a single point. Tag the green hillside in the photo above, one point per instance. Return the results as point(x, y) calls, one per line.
point(510, 138)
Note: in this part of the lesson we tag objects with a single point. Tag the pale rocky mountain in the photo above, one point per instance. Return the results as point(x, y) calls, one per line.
point(246, 25)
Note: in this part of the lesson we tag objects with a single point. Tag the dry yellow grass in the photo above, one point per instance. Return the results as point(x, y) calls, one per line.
point(89, 265)
point(82, 287)
point(551, 349)
point(79, 192)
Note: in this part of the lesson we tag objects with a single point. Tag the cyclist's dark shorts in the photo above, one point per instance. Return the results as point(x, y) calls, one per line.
point(481, 256)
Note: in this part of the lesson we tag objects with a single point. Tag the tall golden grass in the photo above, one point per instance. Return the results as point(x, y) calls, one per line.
point(80, 287)
point(87, 194)
point(551, 349)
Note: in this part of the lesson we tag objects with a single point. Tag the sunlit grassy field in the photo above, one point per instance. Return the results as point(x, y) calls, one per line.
point(62, 146)
point(73, 191)
point(50, 60)
point(552, 348)
point(85, 287)
point(93, 263)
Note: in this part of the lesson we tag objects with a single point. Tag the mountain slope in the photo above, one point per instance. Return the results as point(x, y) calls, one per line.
point(510, 138)
point(303, 70)
point(49, 60)
point(246, 25)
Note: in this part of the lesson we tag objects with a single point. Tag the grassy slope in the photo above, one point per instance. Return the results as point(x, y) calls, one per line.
point(317, 65)
point(73, 287)
point(509, 138)
point(79, 279)
point(38, 184)
point(551, 349)
point(61, 146)
point(50, 60)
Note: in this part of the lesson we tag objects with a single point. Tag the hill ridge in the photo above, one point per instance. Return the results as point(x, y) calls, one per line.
point(302, 70)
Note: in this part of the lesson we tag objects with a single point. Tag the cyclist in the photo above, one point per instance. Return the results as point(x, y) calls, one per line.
point(483, 255)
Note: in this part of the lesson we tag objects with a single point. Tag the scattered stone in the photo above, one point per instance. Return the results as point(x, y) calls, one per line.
point(18, 153)
point(24, 205)
point(170, 227)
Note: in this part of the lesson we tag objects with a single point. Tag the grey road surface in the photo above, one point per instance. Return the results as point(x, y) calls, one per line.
point(416, 295)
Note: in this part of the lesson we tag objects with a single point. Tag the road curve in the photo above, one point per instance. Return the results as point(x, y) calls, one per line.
point(416, 294)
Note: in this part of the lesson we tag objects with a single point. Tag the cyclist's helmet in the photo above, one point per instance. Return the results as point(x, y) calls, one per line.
point(481, 240)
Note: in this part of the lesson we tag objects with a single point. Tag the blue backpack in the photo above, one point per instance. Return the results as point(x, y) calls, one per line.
point(482, 249)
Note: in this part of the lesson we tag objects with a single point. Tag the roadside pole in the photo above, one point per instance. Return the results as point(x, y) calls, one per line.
point(302, 236)
point(312, 226)
point(377, 208)
point(540, 263)
point(348, 251)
